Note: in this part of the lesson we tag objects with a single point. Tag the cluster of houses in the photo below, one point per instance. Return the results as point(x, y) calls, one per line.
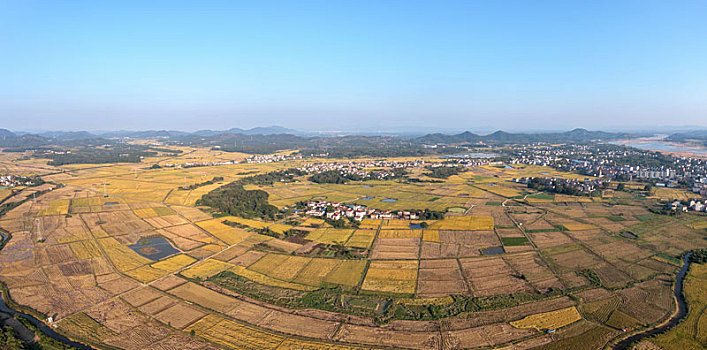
point(14, 180)
point(271, 158)
point(336, 211)
point(197, 164)
point(383, 168)
point(693, 205)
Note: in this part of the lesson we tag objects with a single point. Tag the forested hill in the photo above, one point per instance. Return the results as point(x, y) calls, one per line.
point(692, 136)
point(502, 137)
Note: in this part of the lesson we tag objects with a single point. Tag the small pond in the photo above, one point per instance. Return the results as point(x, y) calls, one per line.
point(368, 197)
point(493, 251)
point(111, 203)
point(154, 248)
point(415, 226)
point(389, 200)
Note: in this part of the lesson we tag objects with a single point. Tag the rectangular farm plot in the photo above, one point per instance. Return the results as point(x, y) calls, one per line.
point(574, 257)
point(430, 236)
point(361, 239)
point(229, 235)
point(549, 239)
point(535, 271)
point(141, 296)
point(233, 334)
point(347, 273)
point(391, 276)
point(330, 235)
point(370, 224)
point(440, 278)
point(454, 244)
point(174, 263)
point(316, 271)
point(396, 248)
point(206, 269)
point(192, 214)
point(267, 280)
point(180, 315)
point(56, 207)
point(278, 266)
point(187, 237)
point(398, 233)
point(469, 223)
point(395, 224)
point(154, 212)
point(166, 221)
point(121, 256)
point(549, 320)
point(492, 276)
point(203, 296)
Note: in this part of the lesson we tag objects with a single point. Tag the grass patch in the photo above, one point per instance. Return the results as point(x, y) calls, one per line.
point(645, 217)
point(495, 204)
point(542, 195)
point(514, 241)
point(543, 230)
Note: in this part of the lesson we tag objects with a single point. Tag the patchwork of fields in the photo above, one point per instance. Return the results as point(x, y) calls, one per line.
point(504, 265)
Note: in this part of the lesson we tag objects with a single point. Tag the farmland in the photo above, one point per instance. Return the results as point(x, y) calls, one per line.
point(498, 263)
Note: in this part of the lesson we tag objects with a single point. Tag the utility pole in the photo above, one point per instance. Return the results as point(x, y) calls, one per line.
point(39, 229)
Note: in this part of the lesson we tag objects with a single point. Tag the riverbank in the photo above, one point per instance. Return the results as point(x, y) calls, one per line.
point(38, 326)
point(658, 144)
point(673, 320)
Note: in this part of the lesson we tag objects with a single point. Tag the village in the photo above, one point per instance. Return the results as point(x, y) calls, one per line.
point(336, 211)
point(8, 181)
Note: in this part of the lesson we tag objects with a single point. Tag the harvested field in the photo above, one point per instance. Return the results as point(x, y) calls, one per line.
point(439, 278)
point(361, 239)
point(180, 315)
point(391, 276)
point(330, 235)
point(549, 320)
point(491, 276)
point(470, 223)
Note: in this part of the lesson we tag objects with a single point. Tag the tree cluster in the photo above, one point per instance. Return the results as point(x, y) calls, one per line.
point(233, 199)
point(443, 172)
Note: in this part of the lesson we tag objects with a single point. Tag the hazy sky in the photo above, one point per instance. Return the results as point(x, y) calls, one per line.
point(321, 65)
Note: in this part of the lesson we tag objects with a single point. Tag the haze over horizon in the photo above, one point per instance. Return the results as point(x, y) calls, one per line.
point(364, 66)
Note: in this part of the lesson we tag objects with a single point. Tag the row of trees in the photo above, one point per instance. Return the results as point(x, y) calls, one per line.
point(336, 177)
point(205, 183)
point(270, 178)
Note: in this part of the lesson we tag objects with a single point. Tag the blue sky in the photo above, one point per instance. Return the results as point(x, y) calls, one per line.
point(325, 65)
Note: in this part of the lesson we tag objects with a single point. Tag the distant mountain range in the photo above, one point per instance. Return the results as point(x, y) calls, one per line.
point(576, 135)
point(293, 137)
point(80, 135)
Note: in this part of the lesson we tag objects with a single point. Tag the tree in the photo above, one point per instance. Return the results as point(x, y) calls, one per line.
point(621, 187)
